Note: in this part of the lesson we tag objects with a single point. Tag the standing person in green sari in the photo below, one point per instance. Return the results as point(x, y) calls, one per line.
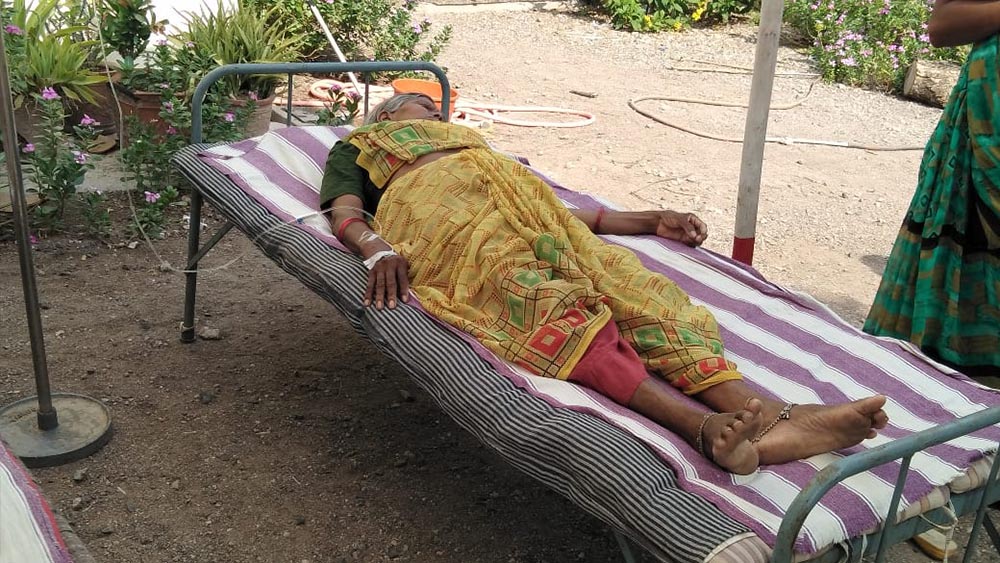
point(941, 286)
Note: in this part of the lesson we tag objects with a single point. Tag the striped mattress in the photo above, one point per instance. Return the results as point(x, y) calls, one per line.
point(617, 465)
point(29, 532)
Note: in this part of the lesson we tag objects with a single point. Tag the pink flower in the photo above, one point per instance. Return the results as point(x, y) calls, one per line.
point(160, 43)
point(417, 29)
point(28, 148)
point(171, 130)
point(168, 107)
point(151, 197)
point(252, 96)
point(49, 94)
point(354, 96)
point(79, 157)
point(229, 117)
point(334, 88)
point(88, 121)
point(189, 44)
point(32, 239)
point(13, 29)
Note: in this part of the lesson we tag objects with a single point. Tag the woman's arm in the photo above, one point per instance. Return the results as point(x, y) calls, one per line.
point(959, 22)
point(684, 227)
point(388, 277)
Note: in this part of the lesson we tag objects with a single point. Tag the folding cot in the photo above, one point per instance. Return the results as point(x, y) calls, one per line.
point(646, 483)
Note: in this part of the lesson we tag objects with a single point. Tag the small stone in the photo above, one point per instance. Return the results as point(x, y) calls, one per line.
point(286, 534)
point(396, 550)
point(406, 395)
point(300, 521)
point(79, 476)
point(77, 503)
point(175, 484)
point(107, 531)
point(206, 397)
point(210, 334)
point(91, 371)
point(132, 245)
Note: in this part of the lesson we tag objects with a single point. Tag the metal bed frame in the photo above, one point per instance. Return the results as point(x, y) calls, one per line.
point(876, 543)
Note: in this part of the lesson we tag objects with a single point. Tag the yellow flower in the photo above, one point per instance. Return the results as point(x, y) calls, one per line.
point(702, 6)
point(678, 25)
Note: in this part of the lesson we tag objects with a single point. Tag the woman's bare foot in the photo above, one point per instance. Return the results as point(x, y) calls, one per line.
point(818, 429)
point(726, 438)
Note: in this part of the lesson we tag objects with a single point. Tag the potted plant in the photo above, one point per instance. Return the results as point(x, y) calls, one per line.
point(126, 26)
point(242, 34)
point(42, 58)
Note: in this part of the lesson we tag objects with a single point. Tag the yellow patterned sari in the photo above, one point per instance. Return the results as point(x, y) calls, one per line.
point(493, 252)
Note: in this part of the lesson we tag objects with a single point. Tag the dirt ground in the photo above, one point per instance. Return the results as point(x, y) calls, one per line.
point(290, 439)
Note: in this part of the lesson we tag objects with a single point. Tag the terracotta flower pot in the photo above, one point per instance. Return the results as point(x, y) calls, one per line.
point(27, 121)
point(260, 119)
point(104, 110)
point(145, 106)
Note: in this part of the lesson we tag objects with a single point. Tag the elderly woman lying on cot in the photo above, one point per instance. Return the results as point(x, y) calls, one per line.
point(488, 248)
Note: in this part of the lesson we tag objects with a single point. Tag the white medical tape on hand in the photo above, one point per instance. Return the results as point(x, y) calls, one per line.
point(374, 258)
point(368, 236)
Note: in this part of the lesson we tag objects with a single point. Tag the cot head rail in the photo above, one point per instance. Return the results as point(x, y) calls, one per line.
point(290, 69)
point(195, 251)
point(976, 500)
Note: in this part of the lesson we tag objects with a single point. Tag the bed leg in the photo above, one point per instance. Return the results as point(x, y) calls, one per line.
point(625, 547)
point(191, 274)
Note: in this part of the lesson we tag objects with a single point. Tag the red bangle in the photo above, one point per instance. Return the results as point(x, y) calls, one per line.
point(347, 223)
point(597, 221)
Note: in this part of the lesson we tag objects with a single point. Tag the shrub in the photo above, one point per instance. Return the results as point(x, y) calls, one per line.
point(341, 109)
point(242, 33)
point(867, 43)
point(659, 15)
point(57, 161)
point(381, 30)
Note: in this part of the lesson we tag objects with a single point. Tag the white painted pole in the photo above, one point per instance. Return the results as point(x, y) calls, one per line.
point(755, 132)
point(333, 43)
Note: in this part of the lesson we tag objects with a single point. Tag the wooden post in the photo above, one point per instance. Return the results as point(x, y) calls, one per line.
point(931, 82)
point(755, 132)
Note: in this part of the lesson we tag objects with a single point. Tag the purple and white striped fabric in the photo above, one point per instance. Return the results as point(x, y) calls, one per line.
point(28, 531)
point(785, 344)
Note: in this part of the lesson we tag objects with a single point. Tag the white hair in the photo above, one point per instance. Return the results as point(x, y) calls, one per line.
point(392, 105)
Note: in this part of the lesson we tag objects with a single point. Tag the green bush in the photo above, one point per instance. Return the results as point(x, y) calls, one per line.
point(364, 29)
point(659, 15)
point(867, 43)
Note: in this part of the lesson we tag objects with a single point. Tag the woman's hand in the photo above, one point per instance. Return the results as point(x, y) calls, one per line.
point(683, 227)
point(388, 281)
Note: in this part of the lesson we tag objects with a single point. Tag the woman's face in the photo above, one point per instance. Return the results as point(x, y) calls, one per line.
point(420, 108)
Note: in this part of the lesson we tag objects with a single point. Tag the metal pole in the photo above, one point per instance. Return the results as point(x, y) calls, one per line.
point(755, 132)
point(47, 418)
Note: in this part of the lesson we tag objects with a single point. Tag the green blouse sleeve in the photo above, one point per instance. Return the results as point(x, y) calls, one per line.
point(342, 175)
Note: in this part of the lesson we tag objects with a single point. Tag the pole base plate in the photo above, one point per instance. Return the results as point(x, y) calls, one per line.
point(84, 427)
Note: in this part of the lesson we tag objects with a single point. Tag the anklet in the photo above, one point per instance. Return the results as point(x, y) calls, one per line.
point(699, 440)
point(784, 414)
